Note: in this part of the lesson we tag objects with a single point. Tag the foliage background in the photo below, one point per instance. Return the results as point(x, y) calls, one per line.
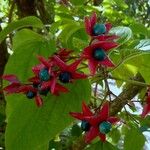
point(60, 24)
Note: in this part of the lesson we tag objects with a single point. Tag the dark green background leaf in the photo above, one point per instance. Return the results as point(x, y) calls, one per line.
point(134, 139)
point(29, 127)
point(30, 21)
point(102, 146)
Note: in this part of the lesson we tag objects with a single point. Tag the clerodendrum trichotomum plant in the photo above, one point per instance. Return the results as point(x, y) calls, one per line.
point(54, 75)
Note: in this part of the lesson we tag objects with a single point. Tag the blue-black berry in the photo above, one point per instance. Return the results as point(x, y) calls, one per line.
point(99, 29)
point(30, 94)
point(65, 77)
point(99, 54)
point(85, 126)
point(43, 92)
point(44, 75)
point(105, 127)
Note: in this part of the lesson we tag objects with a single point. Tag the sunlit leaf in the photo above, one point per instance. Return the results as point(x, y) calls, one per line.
point(31, 21)
point(134, 139)
point(28, 126)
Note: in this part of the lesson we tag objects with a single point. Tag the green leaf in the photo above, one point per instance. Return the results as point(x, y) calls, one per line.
point(144, 45)
point(124, 33)
point(2, 139)
point(131, 44)
point(29, 127)
point(30, 45)
point(124, 129)
point(134, 139)
point(132, 65)
point(144, 128)
point(65, 16)
point(79, 43)
point(77, 2)
point(67, 32)
point(76, 130)
point(2, 113)
point(109, 146)
point(30, 38)
point(54, 145)
point(54, 27)
point(145, 121)
point(115, 135)
point(139, 28)
point(121, 3)
point(25, 22)
point(81, 38)
point(102, 146)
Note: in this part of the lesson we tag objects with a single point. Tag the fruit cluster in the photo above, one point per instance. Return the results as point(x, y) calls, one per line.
point(95, 124)
point(51, 75)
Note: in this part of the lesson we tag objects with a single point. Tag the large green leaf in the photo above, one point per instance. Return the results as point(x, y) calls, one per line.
point(27, 45)
point(79, 43)
point(29, 127)
point(139, 28)
point(124, 33)
point(134, 139)
point(120, 3)
point(132, 65)
point(67, 33)
point(25, 22)
point(115, 135)
point(27, 38)
point(144, 45)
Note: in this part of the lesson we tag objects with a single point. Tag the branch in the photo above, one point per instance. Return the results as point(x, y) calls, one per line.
point(117, 104)
point(128, 94)
point(10, 14)
point(97, 2)
point(79, 144)
point(26, 8)
point(133, 81)
point(3, 60)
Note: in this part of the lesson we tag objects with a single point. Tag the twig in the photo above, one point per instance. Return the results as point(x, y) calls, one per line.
point(10, 14)
point(108, 89)
point(95, 93)
point(128, 94)
point(138, 101)
point(118, 103)
point(130, 81)
point(11, 11)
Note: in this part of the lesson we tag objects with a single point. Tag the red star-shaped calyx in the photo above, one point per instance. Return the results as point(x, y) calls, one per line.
point(97, 30)
point(68, 73)
point(146, 108)
point(45, 64)
point(95, 124)
point(96, 55)
point(14, 83)
point(17, 87)
point(45, 75)
point(63, 54)
point(31, 92)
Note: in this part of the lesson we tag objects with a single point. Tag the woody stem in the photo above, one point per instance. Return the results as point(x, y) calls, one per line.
point(131, 90)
